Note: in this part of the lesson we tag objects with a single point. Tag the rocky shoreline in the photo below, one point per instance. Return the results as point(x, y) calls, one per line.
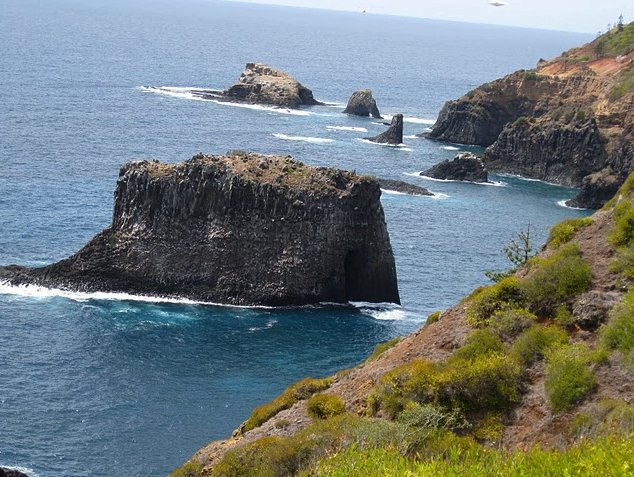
point(560, 123)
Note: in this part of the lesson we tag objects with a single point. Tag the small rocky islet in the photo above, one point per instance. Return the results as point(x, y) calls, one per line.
point(261, 84)
point(464, 166)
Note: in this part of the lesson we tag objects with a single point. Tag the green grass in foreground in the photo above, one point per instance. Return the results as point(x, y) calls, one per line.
point(607, 456)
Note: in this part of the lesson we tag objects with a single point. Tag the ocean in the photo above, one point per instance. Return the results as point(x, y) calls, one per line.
point(101, 385)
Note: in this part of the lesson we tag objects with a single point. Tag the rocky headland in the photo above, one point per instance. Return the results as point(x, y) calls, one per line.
point(261, 84)
point(241, 229)
point(362, 103)
point(530, 375)
point(569, 121)
point(394, 133)
point(465, 166)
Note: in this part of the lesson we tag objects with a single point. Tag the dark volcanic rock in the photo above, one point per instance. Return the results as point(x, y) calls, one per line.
point(6, 472)
point(548, 150)
point(561, 123)
point(361, 103)
point(239, 229)
point(464, 167)
point(393, 135)
point(596, 189)
point(261, 84)
point(404, 187)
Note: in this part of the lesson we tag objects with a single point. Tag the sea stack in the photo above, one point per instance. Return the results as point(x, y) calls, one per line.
point(361, 103)
point(464, 167)
point(242, 229)
point(394, 133)
point(261, 84)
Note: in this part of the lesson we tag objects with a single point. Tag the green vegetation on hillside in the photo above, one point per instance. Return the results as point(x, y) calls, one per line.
point(618, 41)
point(564, 231)
point(295, 392)
point(607, 456)
point(382, 348)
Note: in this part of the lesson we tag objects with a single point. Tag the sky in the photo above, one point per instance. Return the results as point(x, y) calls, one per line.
point(589, 16)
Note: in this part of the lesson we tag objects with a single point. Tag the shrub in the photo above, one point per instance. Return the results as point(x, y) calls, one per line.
point(382, 348)
point(193, 468)
point(564, 231)
point(504, 294)
point(568, 377)
point(301, 390)
point(323, 406)
point(486, 382)
point(563, 316)
point(623, 231)
point(433, 317)
point(479, 343)
point(624, 262)
point(618, 332)
point(509, 323)
point(607, 417)
point(555, 279)
point(489, 428)
point(430, 416)
point(535, 342)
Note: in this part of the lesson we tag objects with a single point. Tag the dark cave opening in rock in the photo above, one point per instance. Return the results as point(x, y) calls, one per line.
point(354, 270)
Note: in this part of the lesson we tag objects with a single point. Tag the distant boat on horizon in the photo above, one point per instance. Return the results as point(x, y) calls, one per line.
point(497, 3)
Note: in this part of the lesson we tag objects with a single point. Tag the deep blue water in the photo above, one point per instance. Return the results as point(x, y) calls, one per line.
point(108, 386)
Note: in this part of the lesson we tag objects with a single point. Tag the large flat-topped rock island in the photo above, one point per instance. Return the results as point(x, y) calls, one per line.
point(242, 229)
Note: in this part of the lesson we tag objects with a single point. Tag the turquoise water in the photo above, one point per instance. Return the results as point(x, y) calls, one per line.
point(96, 386)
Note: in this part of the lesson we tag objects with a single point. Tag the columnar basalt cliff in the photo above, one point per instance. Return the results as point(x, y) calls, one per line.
point(361, 103)
point(261, 84)
point(569, 121)
point(239, 229)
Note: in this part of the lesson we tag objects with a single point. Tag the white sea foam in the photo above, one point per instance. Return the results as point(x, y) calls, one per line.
point(562, 203)
point(313, 140)
point(400, 147)
point(439, 195)
point(450, 148)
point(269, 324)
point(334, 104)
point(410, 119)
point(347, 128)
point(419, 121)
point(381, 311)
point(392, 192)
point(411, 136)
point(395, 192)
point(173, 91)
point(490, 183)
point(35, 291)
point(194, 94)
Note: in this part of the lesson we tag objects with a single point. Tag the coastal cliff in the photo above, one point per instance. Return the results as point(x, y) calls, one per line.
point(569, 119)
point(241, 229)
point(540, 359)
